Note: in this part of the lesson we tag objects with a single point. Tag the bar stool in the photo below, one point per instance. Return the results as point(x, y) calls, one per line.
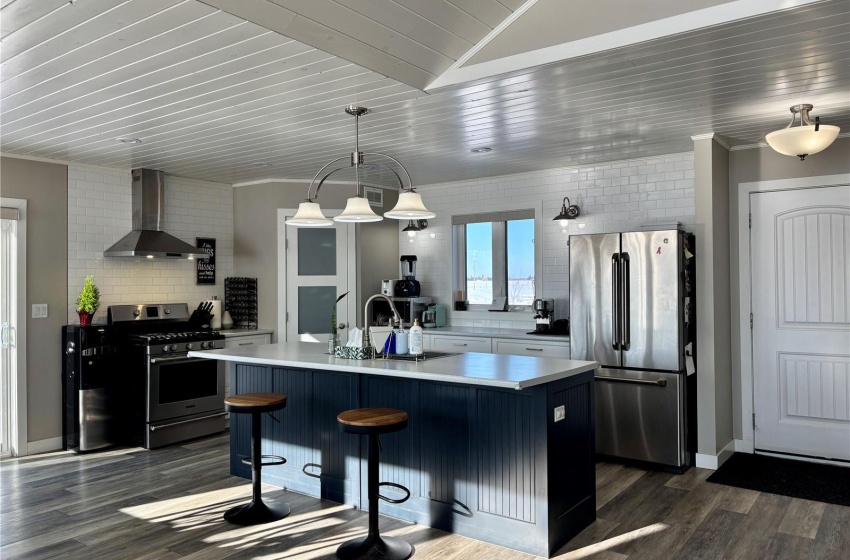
point(256, 511)
point(373, 422)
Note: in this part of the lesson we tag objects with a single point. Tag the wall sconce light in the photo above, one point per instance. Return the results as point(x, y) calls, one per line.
point(358, 209)
point(806, 139)
point(569, 213)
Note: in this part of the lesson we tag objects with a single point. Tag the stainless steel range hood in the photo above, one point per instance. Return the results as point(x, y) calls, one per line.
point(147, 238)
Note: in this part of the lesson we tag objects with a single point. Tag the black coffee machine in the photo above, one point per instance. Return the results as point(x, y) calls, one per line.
point(408, 286)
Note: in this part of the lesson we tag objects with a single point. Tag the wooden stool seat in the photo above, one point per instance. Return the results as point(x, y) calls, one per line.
point(249, 403)
point(372, 420)
point(257, 511)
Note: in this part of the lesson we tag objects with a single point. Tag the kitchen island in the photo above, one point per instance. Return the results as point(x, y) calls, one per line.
point(498, 448)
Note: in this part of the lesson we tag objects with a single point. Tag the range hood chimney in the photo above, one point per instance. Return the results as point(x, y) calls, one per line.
point(147, 238)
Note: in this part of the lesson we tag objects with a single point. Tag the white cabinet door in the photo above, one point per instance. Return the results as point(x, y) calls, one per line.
point(800, 243)
point(448, 343)
point(531, 348)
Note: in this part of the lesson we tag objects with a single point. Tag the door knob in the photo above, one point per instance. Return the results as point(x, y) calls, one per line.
point(342, 325)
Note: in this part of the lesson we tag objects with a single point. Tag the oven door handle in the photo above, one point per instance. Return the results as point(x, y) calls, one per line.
point(175, 359)
point(155, 428)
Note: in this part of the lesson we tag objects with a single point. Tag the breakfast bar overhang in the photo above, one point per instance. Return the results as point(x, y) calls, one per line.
point(499, 447)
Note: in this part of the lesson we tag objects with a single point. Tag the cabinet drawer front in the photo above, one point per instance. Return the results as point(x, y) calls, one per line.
point(242, 341)
point(460, 344)
point(530, 348)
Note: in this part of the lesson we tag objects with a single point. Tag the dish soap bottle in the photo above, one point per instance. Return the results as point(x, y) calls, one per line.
point(414, 344)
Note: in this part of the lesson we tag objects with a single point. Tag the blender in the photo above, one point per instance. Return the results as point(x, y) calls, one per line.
point(408, 286)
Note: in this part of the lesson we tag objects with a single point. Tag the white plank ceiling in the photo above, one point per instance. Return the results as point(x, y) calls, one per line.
point(211, 95)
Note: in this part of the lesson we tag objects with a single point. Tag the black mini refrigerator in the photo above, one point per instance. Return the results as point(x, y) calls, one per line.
point(89, 388)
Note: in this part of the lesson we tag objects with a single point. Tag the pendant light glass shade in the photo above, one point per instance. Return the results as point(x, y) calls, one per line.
point(309, 215)
point(803, 140)
point(358, 209)
point(409, 206)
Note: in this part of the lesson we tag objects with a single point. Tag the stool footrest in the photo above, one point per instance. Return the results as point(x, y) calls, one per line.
point(266, 460)
point(397, 487)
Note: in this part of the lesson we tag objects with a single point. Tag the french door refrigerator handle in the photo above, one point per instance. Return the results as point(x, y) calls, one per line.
point(656, 382)
point(615, 301)
point(625, 302)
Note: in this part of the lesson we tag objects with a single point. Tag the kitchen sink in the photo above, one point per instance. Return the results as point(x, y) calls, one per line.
point(430, 355)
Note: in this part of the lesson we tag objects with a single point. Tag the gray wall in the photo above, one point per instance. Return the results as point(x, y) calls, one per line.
point(764, 164)
point(714, 375)
point(255, 238)
point(45, 188)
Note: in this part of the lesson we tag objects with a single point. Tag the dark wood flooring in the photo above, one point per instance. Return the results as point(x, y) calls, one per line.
point(167, 503)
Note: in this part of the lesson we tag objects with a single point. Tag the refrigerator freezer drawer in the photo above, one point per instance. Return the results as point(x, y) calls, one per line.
point(640, 415)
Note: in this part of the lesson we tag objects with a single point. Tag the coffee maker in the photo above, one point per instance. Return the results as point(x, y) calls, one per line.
point(408, 286)
point(544, 315)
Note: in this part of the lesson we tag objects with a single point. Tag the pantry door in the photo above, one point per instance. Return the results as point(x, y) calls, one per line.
point(319, 267)
point(800, 253)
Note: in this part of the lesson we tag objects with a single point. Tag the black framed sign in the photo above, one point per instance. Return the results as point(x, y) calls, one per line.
point(206, 267)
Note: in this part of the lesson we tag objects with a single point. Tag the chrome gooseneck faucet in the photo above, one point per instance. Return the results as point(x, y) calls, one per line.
point(366, 342)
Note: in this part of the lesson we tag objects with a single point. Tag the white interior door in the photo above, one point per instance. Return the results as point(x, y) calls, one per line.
point(800, 271)
point(319, 268)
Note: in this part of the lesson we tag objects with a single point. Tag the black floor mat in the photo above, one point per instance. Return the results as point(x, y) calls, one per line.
point(786, 477)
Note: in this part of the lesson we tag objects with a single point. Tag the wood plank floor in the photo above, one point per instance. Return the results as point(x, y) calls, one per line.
point(167, 503)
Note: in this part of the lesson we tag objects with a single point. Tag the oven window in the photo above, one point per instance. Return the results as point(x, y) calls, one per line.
point(188, 380)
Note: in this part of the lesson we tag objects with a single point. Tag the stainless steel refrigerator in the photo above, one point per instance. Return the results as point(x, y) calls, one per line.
point(628, 297)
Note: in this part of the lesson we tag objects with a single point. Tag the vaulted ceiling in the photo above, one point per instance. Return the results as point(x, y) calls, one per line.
point(240, 90)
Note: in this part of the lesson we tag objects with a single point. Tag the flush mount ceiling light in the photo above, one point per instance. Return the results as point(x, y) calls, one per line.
point(569, 212)
point(128, 140)
point(803, 140)
point(481, 150)
point(358, 209)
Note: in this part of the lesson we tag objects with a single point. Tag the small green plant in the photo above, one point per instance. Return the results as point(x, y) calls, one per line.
point(333, 314)
point(89, 298)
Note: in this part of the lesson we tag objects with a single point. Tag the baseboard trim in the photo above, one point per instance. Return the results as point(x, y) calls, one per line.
point(713, 462)
point(744, 446)
point(44, 445)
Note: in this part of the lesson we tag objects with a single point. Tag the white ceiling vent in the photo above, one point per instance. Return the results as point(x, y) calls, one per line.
point(374, 196)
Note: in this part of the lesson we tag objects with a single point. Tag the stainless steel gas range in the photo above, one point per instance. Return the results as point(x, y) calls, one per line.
point(170, 396)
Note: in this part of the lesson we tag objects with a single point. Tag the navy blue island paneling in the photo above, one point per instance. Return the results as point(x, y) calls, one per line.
point(486, 462)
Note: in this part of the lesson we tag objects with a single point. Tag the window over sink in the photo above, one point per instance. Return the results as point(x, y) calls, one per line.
point(495, 256)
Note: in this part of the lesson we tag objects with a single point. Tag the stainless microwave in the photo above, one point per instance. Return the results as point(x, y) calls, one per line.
point(409, 308)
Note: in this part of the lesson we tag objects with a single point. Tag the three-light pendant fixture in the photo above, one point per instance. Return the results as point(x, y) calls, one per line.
point(358, 209)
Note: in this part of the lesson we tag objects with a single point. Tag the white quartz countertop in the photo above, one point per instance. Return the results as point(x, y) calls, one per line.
point(470, 368)
point(491, 332)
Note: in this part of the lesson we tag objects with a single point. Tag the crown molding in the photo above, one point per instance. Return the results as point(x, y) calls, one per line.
point(712, 136)
point(307, 182)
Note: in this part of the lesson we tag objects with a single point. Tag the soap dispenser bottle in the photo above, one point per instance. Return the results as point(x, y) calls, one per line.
point(415, 339)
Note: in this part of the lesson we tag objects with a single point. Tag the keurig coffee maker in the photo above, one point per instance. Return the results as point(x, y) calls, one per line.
point(408, 286)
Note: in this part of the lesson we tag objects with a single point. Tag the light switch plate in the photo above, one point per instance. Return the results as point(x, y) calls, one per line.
point(560, 413)
point(39, 310)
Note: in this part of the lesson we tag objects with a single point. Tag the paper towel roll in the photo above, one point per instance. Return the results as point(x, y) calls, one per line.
point(216, 311)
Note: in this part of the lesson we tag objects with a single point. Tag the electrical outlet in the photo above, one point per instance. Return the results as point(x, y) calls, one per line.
point(39, 310)
point(560, 413)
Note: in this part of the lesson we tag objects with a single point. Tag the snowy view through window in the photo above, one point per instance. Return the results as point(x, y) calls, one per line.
point(520, 259)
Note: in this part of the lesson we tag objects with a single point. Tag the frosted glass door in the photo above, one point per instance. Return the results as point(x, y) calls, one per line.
point(317, 272)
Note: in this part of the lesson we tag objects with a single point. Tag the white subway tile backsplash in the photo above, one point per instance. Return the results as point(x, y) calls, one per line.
point(99, 214)
point(615, 196)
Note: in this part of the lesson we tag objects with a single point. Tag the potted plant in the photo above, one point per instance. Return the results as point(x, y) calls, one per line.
point(88, 301)
point(333, 341)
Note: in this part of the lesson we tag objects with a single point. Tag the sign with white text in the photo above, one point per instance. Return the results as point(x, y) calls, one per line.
point(206, 267)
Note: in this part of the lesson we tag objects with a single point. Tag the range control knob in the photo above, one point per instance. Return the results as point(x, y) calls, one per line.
point(189, 346)
point(165, 348)
point(212, 343)
point(173, 347)
point(204, 345)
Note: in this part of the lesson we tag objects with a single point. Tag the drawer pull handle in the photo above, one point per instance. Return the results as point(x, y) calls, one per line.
point(534, 349)
point(658, 382)
point(246, 343)
point(459, 344)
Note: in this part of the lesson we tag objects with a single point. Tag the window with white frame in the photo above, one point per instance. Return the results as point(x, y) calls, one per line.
point(495, 256)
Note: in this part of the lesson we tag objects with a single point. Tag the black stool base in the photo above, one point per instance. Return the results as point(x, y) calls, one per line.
point(256, 512)
point(375, 548)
